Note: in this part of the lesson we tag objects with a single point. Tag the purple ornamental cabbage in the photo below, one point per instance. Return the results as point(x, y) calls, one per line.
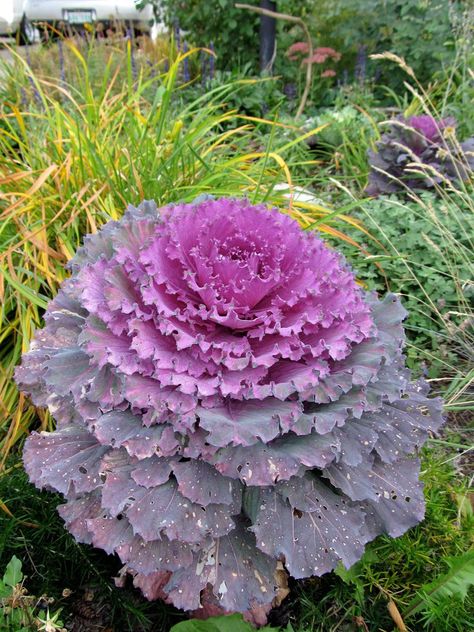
point(228, 400)
point(419, 153)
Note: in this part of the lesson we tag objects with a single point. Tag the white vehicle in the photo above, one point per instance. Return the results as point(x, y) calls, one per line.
point(13, 23)
point(65, 15)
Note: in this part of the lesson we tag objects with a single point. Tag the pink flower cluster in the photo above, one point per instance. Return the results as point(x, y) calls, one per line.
point(319, 56)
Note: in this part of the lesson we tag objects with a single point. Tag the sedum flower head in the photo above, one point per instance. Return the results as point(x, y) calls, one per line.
point(228, 401)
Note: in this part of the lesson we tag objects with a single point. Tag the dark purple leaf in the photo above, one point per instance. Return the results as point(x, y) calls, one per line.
point(202, 483)
point(392, 489)
point(124, 429)
point(77, 512)
point(66, 460)
point(240, 575)
point(310, 526)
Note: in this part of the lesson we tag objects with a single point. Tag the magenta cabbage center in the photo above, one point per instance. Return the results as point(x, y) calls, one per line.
point(229, 404)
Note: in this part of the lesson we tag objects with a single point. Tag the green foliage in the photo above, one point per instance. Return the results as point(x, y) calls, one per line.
point(230, 623)
point(345, 123)
point(424, 252)
point(342, 144)
point(431, 36)
point(419, 31)
point(455, 583)
point(19, 612)
point(251, 96)
point(233, 32)
point(455, 93)
point(354, 576)
point(397, 568)
point(12, 576)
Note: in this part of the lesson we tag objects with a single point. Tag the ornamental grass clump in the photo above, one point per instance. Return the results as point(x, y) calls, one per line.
point(419, 153)
point(229, 403)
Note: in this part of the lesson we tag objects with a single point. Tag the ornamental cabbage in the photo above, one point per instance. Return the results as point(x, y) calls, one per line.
point(419, 153)
point(229, 403)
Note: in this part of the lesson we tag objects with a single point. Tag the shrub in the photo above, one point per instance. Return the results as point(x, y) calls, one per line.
point(234, 32)
point(228, 400)
point(423, 253)
point(421, 32)
point(344, 124)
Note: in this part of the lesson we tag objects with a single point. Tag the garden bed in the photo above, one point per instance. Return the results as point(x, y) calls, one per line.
point(87, 128)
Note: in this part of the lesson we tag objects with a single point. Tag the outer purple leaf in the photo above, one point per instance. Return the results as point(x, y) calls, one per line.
point(77, 512)
point(106, 388)
point(356, 440)
point(394, 429)
point(202, 483)
point(119, 489)
point(95, 246)
point(264, 464)
point(152, 471)
point(122, 428)
point(152, 585)
point(364, 363)
point(109, 533)
point(146, 557)
point(147, 392)
point(65, 312)
point(66, 460)
point(30, 378)
point(389, 384)
point(240, 575)
point(322, 418)
point(145, 210)
point(310, 526)
point(69, 370)
point(392, 489)
point(64, 322)
point(163, 509)
point(106, 347)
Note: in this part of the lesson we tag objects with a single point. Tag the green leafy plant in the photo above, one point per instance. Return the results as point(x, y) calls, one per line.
point(19, 611)
point(342, 123)
point(419, 31)
point(423, 253)
point(13, 614)
point(233, 33)
point(11, 577)
point(230, 623)
point(455, 583)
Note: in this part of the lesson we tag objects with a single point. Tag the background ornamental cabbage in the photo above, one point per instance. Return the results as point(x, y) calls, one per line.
point(419, 153)
point(228, 400)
